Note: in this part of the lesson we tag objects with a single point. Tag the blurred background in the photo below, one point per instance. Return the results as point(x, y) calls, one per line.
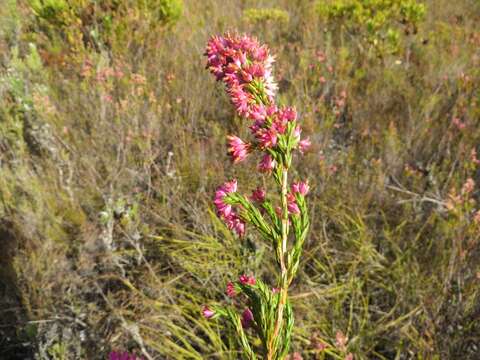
point(112, 141)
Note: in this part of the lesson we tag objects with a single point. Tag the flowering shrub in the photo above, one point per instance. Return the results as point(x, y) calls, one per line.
point(245, 67)
point(378, 20)
point(74, 26)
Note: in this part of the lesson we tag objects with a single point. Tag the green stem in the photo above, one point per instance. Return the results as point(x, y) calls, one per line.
point(272, 345)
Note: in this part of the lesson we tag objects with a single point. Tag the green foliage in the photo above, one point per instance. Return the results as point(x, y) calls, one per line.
point(170, 10)
point(380, 21)
point(76, 25)
point(263, 303)
point(58, 351)
point(52, 11)
point(262, 15)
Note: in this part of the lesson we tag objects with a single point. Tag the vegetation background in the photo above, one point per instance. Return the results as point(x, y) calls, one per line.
point(112, 141)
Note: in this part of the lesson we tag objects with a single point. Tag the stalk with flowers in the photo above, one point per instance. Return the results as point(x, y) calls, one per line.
point(281, 218)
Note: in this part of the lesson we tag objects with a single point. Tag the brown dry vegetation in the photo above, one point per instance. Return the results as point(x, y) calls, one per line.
point(112, 142)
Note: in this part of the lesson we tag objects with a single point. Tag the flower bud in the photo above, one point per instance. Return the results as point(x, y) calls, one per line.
point(207, 312)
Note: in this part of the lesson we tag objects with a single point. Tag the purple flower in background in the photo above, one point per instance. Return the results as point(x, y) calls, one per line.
point(119, 355)
point(247, 318)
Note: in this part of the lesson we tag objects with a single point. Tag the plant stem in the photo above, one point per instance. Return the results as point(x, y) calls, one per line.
point(271, 351)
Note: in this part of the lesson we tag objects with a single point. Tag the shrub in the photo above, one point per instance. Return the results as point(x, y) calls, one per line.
point(379, 22)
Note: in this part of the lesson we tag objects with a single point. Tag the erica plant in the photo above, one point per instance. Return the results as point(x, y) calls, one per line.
point(280, 216)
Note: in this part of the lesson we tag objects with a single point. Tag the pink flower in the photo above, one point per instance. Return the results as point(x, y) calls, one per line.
point(240, 99)
point(256, 70)
point(288, 114)
point(341, 340)
point(258, 195)
point(304, 145)
point(297, 132)
point(260, 53)
point(267, 163)
point(293, 208)
point(283, 117)
point(300, 187)
point(207, 312)
point(237, 148)
point(292, 205)
point(468, 186)
point(225, 211)
point(236, 224)
point(257, 125)
point(271, 110)
point(239, 228)
point(458, 123)
point(231, 290)
point(473, 157)
point(230, 186)
point(321, 57)
point(257, 112)
point(247, 318)
point(280, 125)
point(267, 138)
point(278, 210)
point(247, 280)
point(238, 61)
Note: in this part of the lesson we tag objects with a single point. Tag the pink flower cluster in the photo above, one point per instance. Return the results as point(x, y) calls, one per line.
point(258, 195)
point(247, 280)
point(266, 130)
point(304, 145)
point(237, 148)
point(247, 316)
point(240, 61)
point(231, 290)
point(267, 163)
point(292, 205)
point(244, 280)
point(245, 67)
point(301, 188)
point(225, 211)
